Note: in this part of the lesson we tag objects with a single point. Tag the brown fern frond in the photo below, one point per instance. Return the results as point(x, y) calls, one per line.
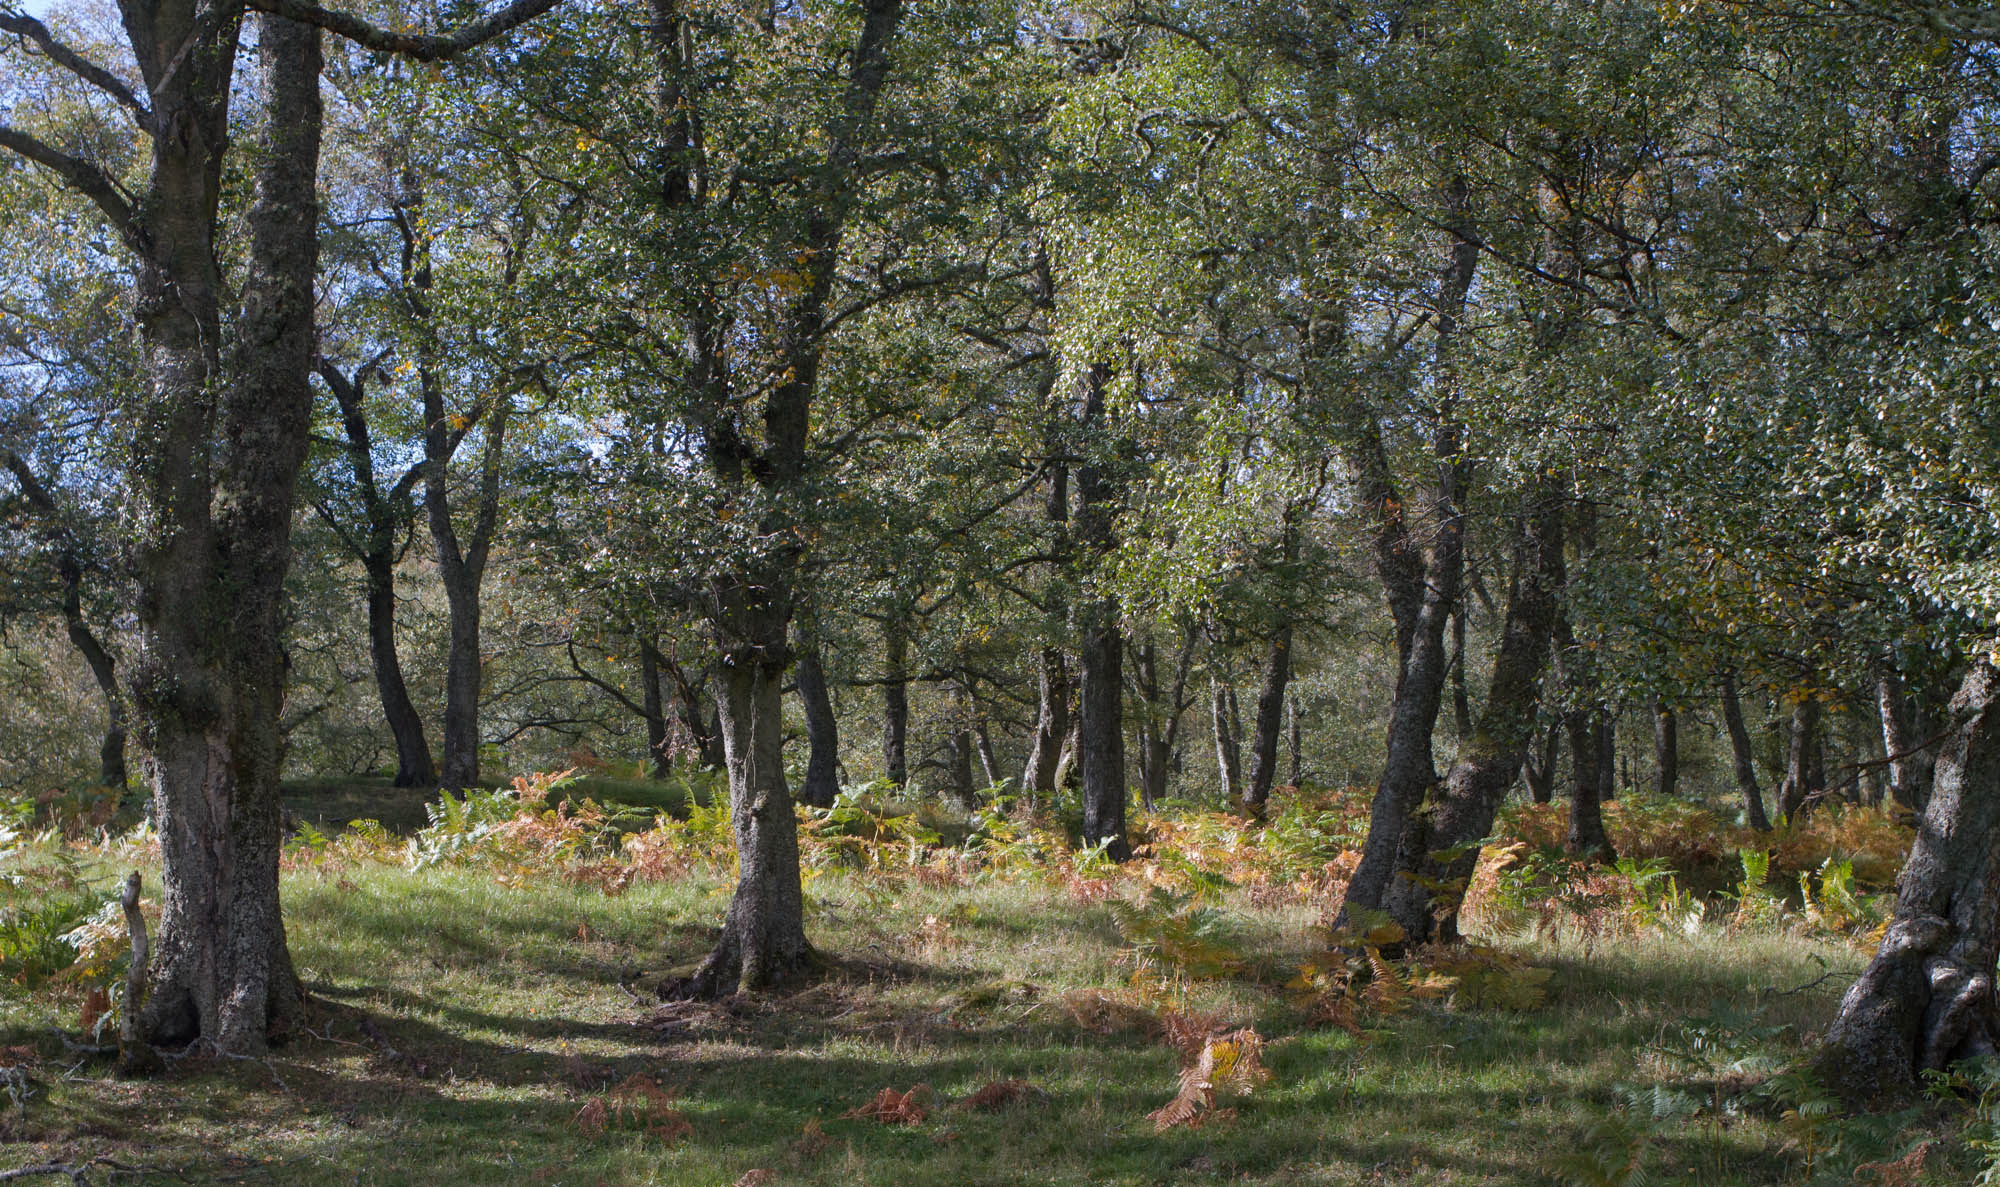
point(997, 1095)
point(891, 1107)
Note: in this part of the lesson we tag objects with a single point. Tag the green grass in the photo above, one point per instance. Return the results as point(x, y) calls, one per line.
point(460, 1025)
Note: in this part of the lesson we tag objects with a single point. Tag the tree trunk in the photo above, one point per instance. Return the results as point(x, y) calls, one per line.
point(1228, 743)
point(1927, 999)
point(1100, 657)
point(1540, 768)
point(1270, 722)
point(1038, 778)
point(1607, 757)
point(1461, 701)
point(1667, 748)
point(215, 499)
point(822, 779)
point(1297, 764)
point(103, 669)
point(659, 734)
point(1795, 793)
point(1743, 755)
point(461, 570)
point(989, 763)
point(1907, 785)
point(414, 766)
point(376, 548)
point(1442, 846)
point(895, 703)
point(1587, 838)
point(763, 942)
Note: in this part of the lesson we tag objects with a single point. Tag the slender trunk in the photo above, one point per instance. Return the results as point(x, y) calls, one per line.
point(962, 746)
point(377, 551)
point(822, 778)
point(1667, 748)
point(1898, 742)
point(1540, 769)
point(1743, 755)
point(1442, 847)
point(215, 491)
point(1607, 757)
point(1461, 702)
point(1038, 778)
point(989, 763)
point(659, 735)
point(1587, 837)
point(1422, 590)
point(1794, 794)
point(895, 703)
point(1270, 721)
point(103, 669)
point(414, 767)
point(1100, 658)
point(1296, 766)
point(1927, 998)
point(1228, 748)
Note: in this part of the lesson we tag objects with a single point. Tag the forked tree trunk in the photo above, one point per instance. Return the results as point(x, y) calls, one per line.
point(1927, 998)
point(1744, 756)
point(211, 674)
point(822, 777)
point(1441, 847)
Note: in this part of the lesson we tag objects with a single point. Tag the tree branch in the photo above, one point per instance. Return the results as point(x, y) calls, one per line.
point(74, 62)
point(424, 47)
point(83, 177)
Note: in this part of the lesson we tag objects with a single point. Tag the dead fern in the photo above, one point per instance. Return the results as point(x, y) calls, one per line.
point(1228, 1065)
point(891, 1107)
point(1103, 1012)
point(637, 1104)
point(996, 1096)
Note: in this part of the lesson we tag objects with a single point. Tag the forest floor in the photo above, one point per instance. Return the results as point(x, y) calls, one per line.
point(492, 1020)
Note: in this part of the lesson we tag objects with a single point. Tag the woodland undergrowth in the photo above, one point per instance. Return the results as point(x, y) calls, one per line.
point(997, 932)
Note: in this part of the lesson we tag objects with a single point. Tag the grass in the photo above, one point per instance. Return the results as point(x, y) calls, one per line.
point(462, 1027)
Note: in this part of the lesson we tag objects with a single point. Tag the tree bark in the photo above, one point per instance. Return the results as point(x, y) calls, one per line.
point(1540, 768)
point(1100, 656)
point(1038, 778)
point(215, 526)
point(1461, 701)
point(1270, 722)
point(1228, 747)
point(1607, 756)
point(1926, 1000)
point(1666, 749)
point(659, 732)
point(1587, 838)
point(822, 779)
point(1743, 755)
point(1796, 792)
point(895, 703)
point(1441, 848)
point(1297, 764)
point(1909, 767)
